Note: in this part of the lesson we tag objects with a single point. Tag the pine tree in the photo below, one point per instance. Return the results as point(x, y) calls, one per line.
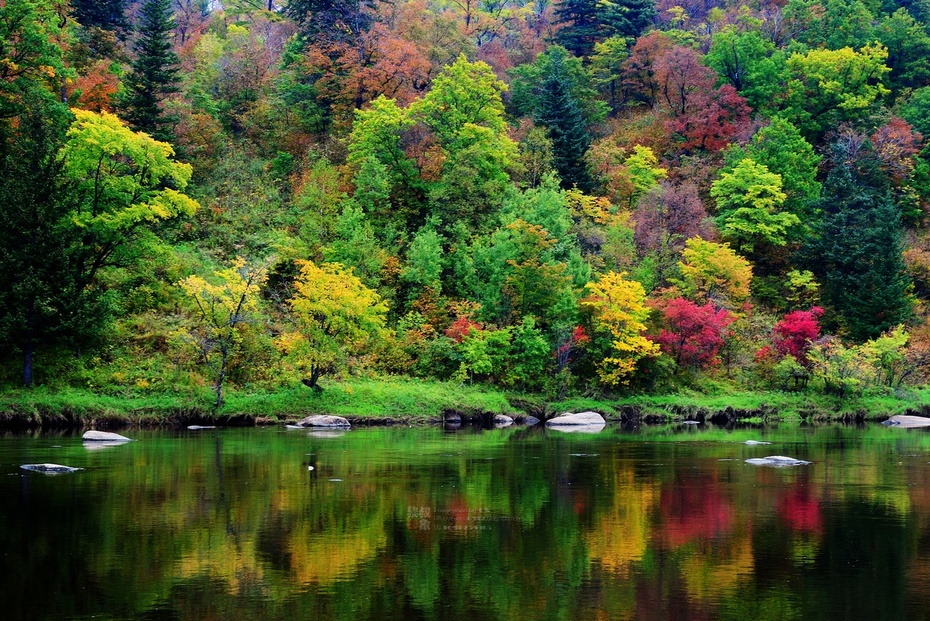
point(103, 14)
point(858, 253)
point(561, 115)
point(154, 72)
point(586, 22)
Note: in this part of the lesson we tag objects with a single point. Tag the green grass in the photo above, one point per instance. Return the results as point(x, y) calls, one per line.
point(420, 401)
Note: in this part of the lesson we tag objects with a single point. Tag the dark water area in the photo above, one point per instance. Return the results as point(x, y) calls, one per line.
point(398, 523)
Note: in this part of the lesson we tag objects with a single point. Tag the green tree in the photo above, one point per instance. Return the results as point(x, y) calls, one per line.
point(748, 203)
point(527, 82)
point(103, 14)
point(559, 112)
point(857, 254)
point(154, 73)
point(587, 22)
point(750, 63)
point(780, 147)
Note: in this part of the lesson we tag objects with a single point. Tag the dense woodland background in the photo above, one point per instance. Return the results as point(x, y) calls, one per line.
point(563, 197)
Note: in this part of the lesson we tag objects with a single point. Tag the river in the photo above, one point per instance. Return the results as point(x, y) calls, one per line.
point(400, 523)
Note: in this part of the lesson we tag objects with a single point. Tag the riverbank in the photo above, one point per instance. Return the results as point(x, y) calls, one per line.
point(410, 401)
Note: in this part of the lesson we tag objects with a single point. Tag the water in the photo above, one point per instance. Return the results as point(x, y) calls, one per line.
point(398, 523)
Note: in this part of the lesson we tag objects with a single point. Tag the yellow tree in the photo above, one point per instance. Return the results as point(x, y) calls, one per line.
point(333, 314)
point(223, 311)
point(713, 273)
point(618, 308)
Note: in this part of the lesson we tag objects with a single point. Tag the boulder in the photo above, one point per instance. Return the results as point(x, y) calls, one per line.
point(530, 421)
point(452, 417)
point(755, 443)
point(777, 461)
point(49, 468)
point(199, 427)
point(103, 436)
point(580, 419)
point(502, 420)
point(322, 420)
point(907, 422)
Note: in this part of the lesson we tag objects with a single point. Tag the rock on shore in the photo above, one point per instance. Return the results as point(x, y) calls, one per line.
point(322, 420)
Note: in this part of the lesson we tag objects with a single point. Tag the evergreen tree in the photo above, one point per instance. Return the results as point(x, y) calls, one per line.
point(103, 14)
point(586, 22)
point(154, 72)
point(858, 253)
point(559, 112)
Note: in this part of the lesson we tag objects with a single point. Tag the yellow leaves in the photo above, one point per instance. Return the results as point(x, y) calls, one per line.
point(618, 306)
point(714, 272)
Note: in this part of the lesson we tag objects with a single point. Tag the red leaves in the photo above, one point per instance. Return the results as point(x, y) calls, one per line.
point(796, 331)
point(461, 328)
point(695, 333)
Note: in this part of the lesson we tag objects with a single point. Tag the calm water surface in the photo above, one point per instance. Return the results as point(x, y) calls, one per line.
point(410, 524)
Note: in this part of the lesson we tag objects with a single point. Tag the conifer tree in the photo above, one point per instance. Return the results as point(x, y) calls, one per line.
point(154, 72)
point(103, 14)
point(858, 252)
point(586, 22)
point(559, 112)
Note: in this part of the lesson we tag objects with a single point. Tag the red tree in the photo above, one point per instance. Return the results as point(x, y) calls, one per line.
point(695, 333)
point(796, 331)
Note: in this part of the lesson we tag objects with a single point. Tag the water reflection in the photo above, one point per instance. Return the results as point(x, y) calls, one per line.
point(496, 524)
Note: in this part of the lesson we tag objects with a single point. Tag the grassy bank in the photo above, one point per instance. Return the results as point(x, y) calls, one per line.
point(396, 400)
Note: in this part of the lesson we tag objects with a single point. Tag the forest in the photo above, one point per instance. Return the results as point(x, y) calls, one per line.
point(556, 198)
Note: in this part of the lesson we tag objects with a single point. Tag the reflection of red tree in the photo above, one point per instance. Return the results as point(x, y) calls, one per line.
point(694, 510)
point(800, 509)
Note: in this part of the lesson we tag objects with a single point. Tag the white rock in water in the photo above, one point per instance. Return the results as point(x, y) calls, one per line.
point(907, 422)
point(755, 443)
point(502, 420)
point(104, 436)
point(321, 420)
point(779, 461)
point(575, 420)
point(199, 427)
point(49, 468)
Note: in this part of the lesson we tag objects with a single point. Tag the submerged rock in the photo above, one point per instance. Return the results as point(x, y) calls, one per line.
point(103, 436)
point(778, 461)
point(322, 420)
point(755, 442)
point(502, 420)
point(49, 468)
point(907, 422)
point(199, 427)
point(576, 420)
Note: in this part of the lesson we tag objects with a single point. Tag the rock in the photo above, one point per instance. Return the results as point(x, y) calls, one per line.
point(907, 422)
point(778, 461)
point(690, 422)
point(502, 420)
point(199, 427)
point(755, 443)
point(49, 468)
point(530, 421)
point(452, 417)
point(103, 436)
point(576, 420)
point(321, 420)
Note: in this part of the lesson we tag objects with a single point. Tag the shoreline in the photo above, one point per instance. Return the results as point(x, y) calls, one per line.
point(396, 401)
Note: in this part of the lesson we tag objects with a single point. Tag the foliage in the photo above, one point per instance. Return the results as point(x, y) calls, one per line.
point(222, 312)
point(693, 334)
point(154, 72)
point(712, 272)
point(796, 332)
point(617, 307)
point(333, 315)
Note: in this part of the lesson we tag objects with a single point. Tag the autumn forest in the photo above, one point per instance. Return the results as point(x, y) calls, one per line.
point(556, 198)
